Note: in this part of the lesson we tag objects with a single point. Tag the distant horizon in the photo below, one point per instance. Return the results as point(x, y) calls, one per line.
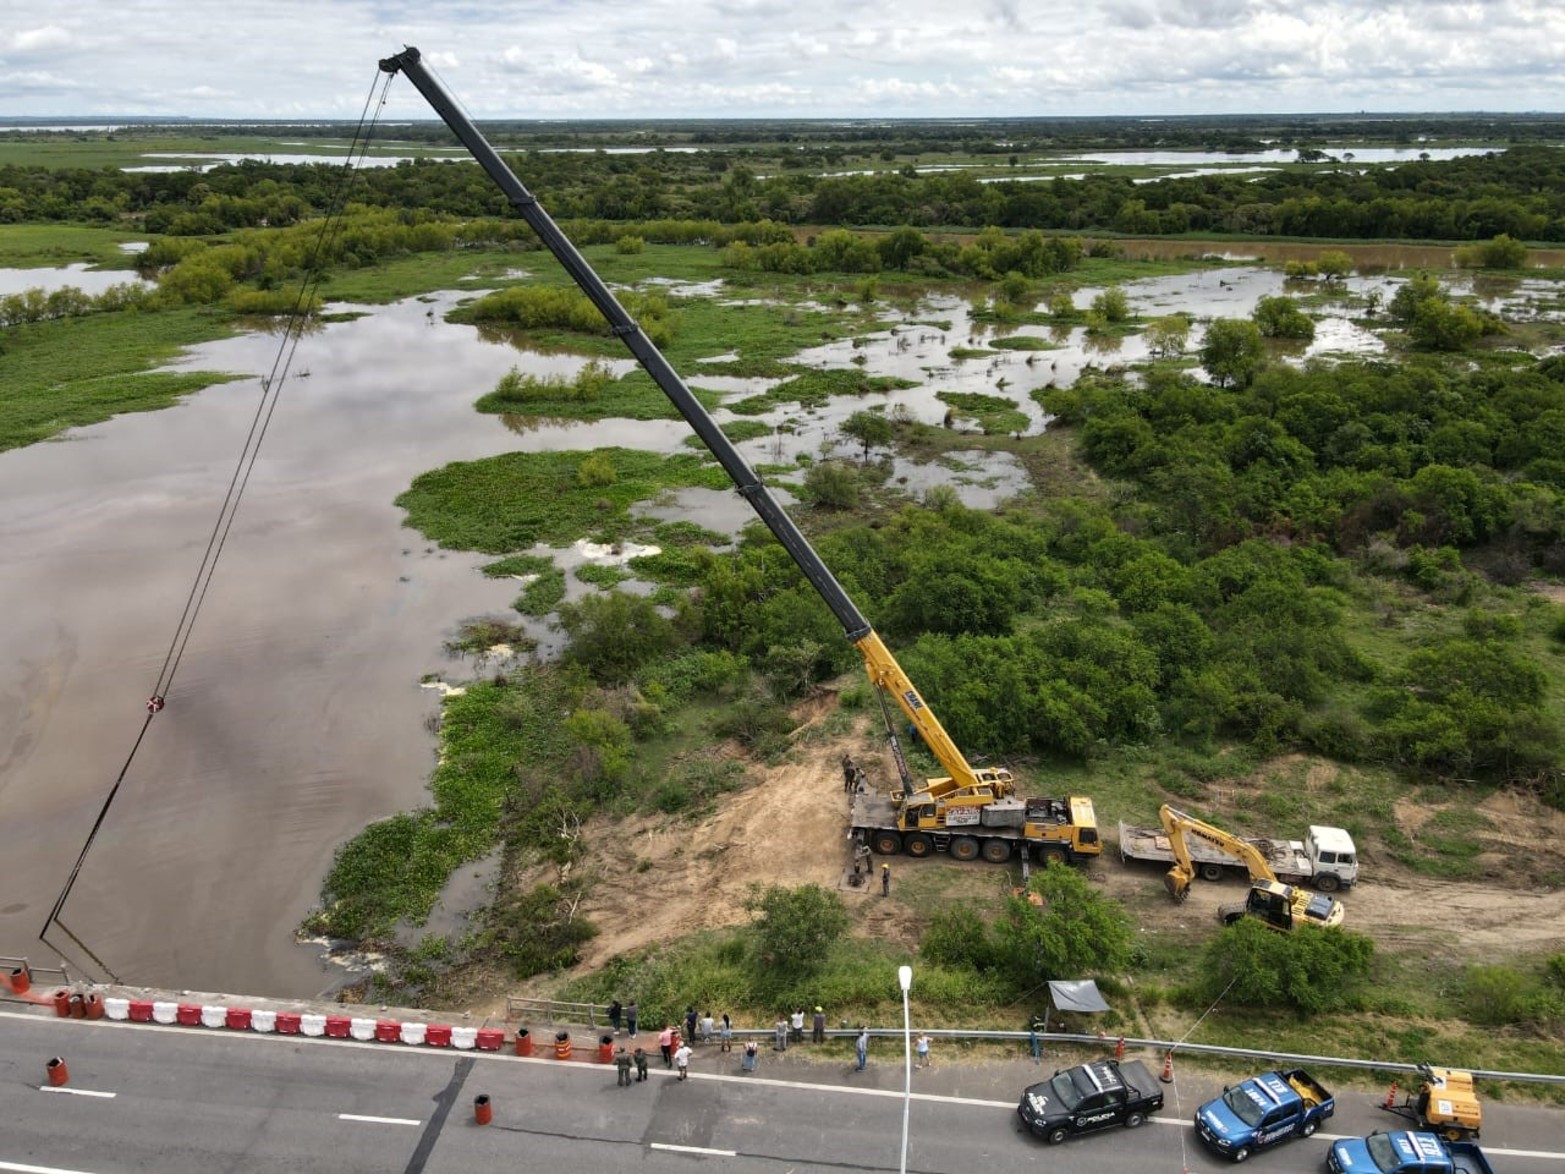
point(66, 121)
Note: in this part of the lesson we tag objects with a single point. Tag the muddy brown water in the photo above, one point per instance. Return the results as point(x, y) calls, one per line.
point(297, 716)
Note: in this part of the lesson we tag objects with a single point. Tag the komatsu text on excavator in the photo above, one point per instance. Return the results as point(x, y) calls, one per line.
point(971, 812)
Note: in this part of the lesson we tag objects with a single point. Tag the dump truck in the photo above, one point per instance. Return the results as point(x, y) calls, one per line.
point(919, 818)
point(1326, 859)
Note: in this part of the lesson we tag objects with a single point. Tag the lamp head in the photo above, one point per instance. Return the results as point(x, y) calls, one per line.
point(905, 978)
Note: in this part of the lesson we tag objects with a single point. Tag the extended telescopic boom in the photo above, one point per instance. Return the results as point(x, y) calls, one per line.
point(884, 672)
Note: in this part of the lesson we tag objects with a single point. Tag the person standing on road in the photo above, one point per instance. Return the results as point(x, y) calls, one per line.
point(706, 1028)
point(615, 1011)
point(818, 1027)
point(666, 1045)
point(641, 1064)
point(885, 880)
point(725, 1034)
point(690, 1024)
point(622, 1062)
point(630, 1018)
point(682, 1060)
point(862, 1044)
point(921, 1045)
point(797, 1025)
point(781, 1028)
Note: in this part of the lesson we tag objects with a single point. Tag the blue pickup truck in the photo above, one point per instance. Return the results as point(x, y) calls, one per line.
point(1406, 1152)
point(1262, 1111)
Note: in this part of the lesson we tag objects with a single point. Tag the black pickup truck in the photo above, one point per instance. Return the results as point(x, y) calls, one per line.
point(1090, 1096)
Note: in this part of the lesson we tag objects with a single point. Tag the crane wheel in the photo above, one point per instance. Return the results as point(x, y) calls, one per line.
point(964, 848)
point(1048, 856)
point(887, 843)
point(997, 851)
point(918, 844)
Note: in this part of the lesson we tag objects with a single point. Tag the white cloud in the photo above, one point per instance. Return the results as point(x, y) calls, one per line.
point(828, 58)
point(50, 36)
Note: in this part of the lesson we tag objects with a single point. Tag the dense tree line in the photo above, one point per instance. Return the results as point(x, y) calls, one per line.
point(1519, 193)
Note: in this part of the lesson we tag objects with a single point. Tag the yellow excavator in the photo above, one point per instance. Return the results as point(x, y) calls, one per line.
point(970, 812)
point(1282, 907)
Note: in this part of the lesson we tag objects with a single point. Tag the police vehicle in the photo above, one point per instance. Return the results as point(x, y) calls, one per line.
point(1262, 1111)
point(1090, 1096)
point(1406, 1152)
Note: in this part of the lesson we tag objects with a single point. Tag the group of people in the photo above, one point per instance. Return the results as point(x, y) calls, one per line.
point(676, 1048)
point(854, 780)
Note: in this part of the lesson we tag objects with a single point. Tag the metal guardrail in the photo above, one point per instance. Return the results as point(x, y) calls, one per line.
point(40, 976)
point(554, 1011)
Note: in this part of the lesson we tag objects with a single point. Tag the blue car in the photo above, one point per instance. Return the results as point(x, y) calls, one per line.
point(1406, 1152)
point(1262, 1111)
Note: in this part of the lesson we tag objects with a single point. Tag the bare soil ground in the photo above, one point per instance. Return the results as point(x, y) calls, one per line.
point(659, 877)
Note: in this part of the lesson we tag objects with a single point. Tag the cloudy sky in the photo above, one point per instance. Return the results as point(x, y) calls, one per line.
point(787, 58)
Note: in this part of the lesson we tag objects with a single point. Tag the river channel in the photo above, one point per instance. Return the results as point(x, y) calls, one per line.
point(297, 716)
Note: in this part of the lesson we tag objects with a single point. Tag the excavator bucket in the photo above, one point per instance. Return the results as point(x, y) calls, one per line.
point(1177, 882)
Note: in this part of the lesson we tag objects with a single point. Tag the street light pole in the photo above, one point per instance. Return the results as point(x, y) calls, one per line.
point(905, 977)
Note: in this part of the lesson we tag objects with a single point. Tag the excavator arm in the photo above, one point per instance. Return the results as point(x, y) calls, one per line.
point(1177, 825)
point(884, 672)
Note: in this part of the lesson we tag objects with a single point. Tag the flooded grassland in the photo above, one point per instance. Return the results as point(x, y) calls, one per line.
point(297, 717)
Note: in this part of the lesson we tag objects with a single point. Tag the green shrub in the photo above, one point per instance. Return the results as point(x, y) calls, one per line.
point(629, 245)
point(1309, 969)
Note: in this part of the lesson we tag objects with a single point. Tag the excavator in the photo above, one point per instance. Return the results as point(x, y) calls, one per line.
point(967, 797)
point(1279, 906)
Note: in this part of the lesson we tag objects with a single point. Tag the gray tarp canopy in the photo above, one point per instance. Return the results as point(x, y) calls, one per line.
point(1079, 994)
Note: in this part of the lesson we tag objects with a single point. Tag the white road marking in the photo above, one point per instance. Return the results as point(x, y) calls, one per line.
point(23, 1169)
point(693, 1149)
point(504, 1058)
point(380, 1120)
point(77, 1092)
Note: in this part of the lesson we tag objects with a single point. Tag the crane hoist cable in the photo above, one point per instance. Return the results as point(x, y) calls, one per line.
point(271, 390)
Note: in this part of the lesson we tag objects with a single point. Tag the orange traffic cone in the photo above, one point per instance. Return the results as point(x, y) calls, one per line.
point(1168, 1068)
point(483, 1111)
point(1119, 1049)
point(1391, 1097)
point(58, 1073)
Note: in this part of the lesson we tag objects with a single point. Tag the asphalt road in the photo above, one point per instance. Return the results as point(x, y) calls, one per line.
point(188, 1101)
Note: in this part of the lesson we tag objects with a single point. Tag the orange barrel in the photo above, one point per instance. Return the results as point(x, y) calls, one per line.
point(606, 1049)
point(524, 1042)
point(58, 1073)
point(489, 1039)
point(562, 1046)
point(337, 1026)
point(288, 1022)
point(483, 1111)
point(388, 1031)
point(78, 1008)
point(62, 1003)
point(21, 980)
point(140, 1011)
point(92, 1005)
point(237, 1018)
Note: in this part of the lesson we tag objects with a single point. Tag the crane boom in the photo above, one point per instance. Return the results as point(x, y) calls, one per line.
point(884, 671)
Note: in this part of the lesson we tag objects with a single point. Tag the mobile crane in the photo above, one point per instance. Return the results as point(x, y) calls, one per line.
point(1060, 828)
point(1280, 906)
